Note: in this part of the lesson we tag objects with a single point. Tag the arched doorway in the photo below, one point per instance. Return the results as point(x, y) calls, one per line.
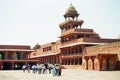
point(110, 64)
point(72, 61)
point(76, 61)
point(68, 61)
point(90, 64)
point(80, 61)
point(104, 64)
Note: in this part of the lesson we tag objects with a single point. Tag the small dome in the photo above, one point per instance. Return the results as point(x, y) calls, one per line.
point(71, 11)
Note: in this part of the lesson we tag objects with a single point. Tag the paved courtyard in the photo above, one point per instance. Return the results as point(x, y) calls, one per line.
point(67, 74)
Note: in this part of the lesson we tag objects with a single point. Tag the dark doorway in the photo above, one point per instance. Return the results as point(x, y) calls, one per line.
point(18, 55)
point(7, 66)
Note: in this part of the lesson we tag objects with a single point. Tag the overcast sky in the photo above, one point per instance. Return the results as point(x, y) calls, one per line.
point(27, 22)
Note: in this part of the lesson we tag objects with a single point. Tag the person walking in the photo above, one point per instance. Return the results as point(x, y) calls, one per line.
point(34, 69)
point(28, 68)
point(59, 70)
point(39, 68)
point(50, 66)
point(54, 73)
point(23, 68)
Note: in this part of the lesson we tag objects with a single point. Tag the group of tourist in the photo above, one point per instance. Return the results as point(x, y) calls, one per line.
point(45, 68)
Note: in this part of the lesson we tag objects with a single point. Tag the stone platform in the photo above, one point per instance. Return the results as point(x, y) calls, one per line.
point(67, 74)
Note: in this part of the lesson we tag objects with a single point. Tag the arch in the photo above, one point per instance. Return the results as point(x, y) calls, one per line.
point(104, 64)
point(80, 61)
point(72, 61)
point(111, 64)
point(76, 61)
point(90, 64)
point(63, 61)
point(76, 50)
point(68, 61)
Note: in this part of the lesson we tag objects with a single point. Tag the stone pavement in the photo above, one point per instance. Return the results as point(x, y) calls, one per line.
point(67, 74)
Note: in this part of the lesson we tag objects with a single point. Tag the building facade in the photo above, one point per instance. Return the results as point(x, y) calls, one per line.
point(15, 56)
point(102, 57)
point(71, 48)
point(74, 38)
point(76, 46)
point(47, 53)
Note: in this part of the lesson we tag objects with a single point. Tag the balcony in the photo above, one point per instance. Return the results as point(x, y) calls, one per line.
point(93, 41)
point(78, 30)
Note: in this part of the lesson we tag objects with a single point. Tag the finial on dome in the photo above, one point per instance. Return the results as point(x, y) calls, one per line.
point(71, 12)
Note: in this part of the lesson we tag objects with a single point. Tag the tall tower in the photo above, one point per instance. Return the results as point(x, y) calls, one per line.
point(73, 37)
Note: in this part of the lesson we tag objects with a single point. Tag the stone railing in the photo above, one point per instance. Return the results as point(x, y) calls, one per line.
point(73, 41)
point(76, 30)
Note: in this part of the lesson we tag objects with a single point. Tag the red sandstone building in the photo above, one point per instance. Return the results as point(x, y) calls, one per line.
point(71, 49)
point(14, 56)
point(102, 57)
point(77, 46)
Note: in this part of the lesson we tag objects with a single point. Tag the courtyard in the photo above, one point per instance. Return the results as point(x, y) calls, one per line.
point(67, 74)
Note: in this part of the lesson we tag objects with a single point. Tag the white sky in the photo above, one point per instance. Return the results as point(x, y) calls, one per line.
point(27, 22)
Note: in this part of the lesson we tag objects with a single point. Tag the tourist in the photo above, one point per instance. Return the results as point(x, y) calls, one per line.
point(54, 73)
point(34, 69)
point(56, 68)
point(59, 70)
point(39, 68)
point(23, 68)
point(50, 66)
point(45, 67)
point(28, 68)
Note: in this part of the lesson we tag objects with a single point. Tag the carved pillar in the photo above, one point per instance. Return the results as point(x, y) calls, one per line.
point(74, 61)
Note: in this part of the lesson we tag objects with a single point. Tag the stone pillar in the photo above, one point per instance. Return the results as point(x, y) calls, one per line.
point(96, 64)
point(85, 62)
point(90, 64)
point(12, 65)
point(28, 55)
point(57, 59)
point(14, 55)
point(63, 62)
point(67, 51)
point(21, 57)
point(74, 61)
point(6, 55)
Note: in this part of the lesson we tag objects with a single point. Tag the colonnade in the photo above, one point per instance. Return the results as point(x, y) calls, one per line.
point(12, 55)
point(54, 59)
point(15, 65)
point(100, 62)
point(72, 50)
point(72, 61)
